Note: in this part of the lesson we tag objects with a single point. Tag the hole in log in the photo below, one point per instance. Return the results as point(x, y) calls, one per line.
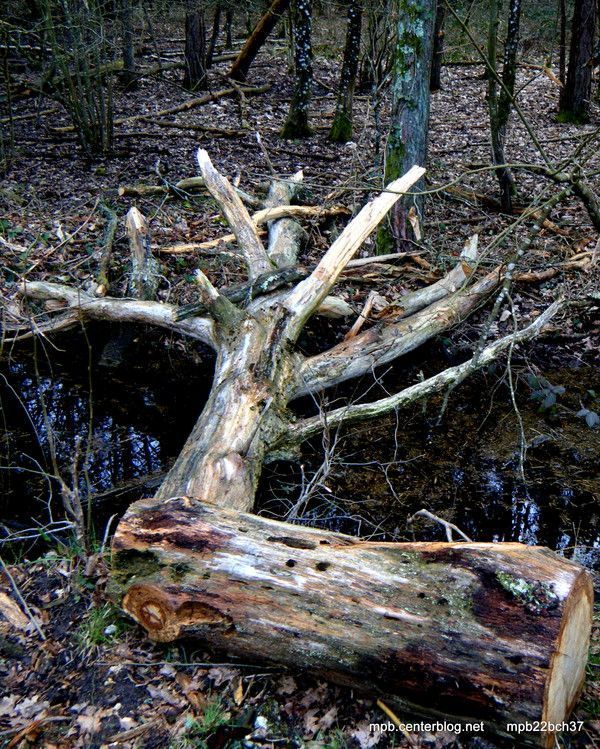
point(421, 595)
point(290, 563)
point(322, 566)
point(442, 601)
point(294, 543)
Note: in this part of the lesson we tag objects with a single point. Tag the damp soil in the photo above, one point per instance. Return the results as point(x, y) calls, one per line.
point(503, 469)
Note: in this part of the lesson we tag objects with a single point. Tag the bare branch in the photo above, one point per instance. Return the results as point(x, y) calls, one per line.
point(237, 217)
point(119, 310)
point(309, 294)
point(387, 341)
point(307, 428)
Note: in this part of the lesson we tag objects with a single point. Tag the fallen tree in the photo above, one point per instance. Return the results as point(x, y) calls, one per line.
point(497, 632)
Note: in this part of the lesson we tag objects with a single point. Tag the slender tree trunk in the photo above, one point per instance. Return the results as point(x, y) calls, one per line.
point(500, 97)
point(214, 36)
point(576, 93)
point(341, 129)
point(257, 38)
point(228, 29)
point(562, 60)
point(296, 125)
point(128, 75)
point(195, 51)
point(407, 138)
point(435, 82)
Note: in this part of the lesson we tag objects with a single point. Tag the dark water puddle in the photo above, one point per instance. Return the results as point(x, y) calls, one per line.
point(123, 427)
point(120, 429)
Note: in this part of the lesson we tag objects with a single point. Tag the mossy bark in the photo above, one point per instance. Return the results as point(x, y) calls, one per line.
point(341, 129)
point(296, 124)
point(407, 137)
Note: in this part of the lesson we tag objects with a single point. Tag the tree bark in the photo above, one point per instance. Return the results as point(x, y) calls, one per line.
point(500, 97)
point(128, 74)
point(341, 128)
point(296, 125)
point(435, 81)
point(257, 38)
point(484, 631)
point(195, 51)
point(407, 137)
point(214, 36)
point(576, 93)
point(562, 56)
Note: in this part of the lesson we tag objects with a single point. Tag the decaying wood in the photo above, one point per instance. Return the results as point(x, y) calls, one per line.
point(237, 217)
point(285, 235)
point(143, 281)
point(108, 239)
point(87, 307)
point(385, 342)
point(307, 428)
point(484, 631)
point(279, 236)
point(491, 631)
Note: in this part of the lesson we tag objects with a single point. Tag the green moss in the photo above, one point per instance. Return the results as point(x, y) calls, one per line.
point(130, 564)
point(341, 129)
point(535, 596)
point(572, 118)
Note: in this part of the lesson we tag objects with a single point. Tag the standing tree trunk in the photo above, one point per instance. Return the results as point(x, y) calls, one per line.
point(435, 82)
point(341, 129)
point(128, 75)
point(500, 97)
point(562, 58)
point(228, 29)
point(257, 38)
point(296, 125)
point(214, 36)
point(407, 138)
point(195, 51)
point(575, 96)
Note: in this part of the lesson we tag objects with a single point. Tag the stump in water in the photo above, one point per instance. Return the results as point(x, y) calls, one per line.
point(493, 632)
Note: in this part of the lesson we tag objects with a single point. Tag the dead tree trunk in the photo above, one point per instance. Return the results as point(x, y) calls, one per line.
point(576, 93)
point(296, 124)
point(341, 129)
point(257, 38)
point(491, 631)
point(195, 51)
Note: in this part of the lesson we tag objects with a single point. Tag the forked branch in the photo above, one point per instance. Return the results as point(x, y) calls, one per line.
point(308, 295)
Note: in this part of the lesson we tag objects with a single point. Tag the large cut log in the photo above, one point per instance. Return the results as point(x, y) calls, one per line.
point(492, 632)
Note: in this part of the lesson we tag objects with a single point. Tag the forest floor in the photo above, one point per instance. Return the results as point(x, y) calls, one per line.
point(89, 678)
